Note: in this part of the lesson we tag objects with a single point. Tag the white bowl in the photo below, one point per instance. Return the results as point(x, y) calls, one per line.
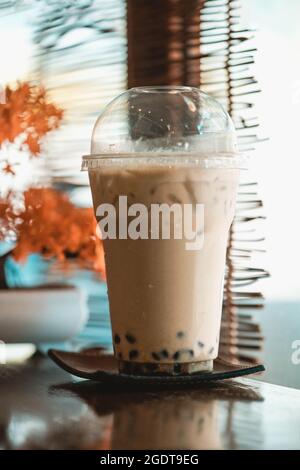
point(42, 315)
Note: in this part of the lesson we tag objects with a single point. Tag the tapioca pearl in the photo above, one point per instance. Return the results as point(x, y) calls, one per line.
point(120, 355)
point(177, 368)
point(183, 352)
point(130, 338)
point(176, 355)
point(133, 354)
point(117, 339)
point(155, 356)
point(164, 353)
point(180, 334)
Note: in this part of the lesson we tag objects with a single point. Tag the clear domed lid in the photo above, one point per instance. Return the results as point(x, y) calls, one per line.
point(163, 121)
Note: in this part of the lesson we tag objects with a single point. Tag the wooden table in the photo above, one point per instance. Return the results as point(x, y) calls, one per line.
point(42, 407)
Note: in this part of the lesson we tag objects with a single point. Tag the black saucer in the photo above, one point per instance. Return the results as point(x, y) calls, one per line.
point(96, 364)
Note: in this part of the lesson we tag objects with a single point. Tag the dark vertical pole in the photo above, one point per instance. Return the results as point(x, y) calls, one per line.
point(163, 42)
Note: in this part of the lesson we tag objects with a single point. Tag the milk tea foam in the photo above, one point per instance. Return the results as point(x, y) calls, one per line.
point(166, 301)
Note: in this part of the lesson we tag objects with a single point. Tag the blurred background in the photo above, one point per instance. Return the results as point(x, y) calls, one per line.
point(245, 53)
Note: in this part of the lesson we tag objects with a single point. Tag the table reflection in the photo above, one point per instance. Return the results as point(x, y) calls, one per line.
point(40, 411)
point(167, 422)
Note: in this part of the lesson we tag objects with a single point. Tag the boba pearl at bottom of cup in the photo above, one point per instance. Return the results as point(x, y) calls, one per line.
point(161, 368)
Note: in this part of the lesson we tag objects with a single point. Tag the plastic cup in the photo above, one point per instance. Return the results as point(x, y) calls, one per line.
point(164, 172)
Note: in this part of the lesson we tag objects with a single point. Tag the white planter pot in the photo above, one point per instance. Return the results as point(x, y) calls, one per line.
point(42, 315)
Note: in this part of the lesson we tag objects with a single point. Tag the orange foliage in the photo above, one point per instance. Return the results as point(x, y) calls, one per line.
point(29, 115)
point(47, 222)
